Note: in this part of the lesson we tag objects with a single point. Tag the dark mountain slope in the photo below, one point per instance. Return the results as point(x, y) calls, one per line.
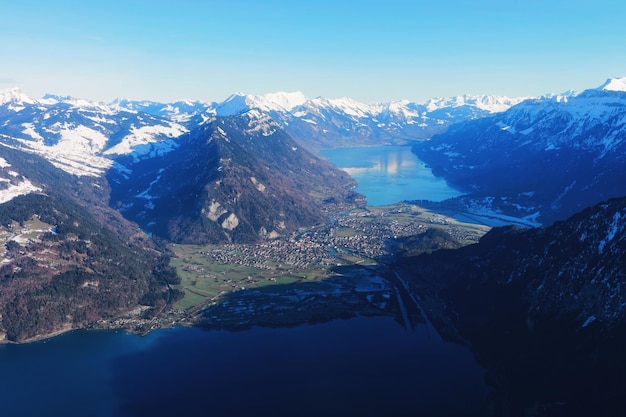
point(238, 178)
point(68, 259)
point(544, 309)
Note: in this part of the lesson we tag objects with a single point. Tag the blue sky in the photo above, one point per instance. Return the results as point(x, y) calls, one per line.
point(367, 50)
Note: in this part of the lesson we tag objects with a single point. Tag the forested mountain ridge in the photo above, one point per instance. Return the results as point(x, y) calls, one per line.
point(235, 179)
point(544, 309)
point(70, 256)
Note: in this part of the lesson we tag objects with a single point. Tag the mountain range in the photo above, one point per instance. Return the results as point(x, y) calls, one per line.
point(543, 159)
point(173, 169)
point(89, 191)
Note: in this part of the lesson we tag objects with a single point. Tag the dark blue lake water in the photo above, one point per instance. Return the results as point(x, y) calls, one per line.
point(356, 367)
point(390, 174)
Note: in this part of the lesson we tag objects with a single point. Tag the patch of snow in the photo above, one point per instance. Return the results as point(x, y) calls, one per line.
point(615, 227)
point(146, 193)
point(589, 320)
point(146, 135)
point(14, 190)
point(29, 129)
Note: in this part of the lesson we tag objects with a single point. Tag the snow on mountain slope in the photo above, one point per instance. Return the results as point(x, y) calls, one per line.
point(182, 111)
point(326, 123)
point(614, 84)
point(16, 97)
point(566, 154)
point(489, 104)
point(76, 151)
point(81, 136)
point(145, 135)
point(234, 104)
point(591, 119)
point(279, 101)
point(12, 184)
point(239, 103)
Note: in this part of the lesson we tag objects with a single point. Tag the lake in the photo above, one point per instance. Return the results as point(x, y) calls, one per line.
point(361, 367)
point(390, 174)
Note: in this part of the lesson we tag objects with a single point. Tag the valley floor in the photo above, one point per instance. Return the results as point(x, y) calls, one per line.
point(320, 273)
point(360, 237)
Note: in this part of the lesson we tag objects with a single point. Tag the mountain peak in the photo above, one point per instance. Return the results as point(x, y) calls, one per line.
point(281, 99)
point(236, 103)
point(614, 84)
point(14, 94)
point(488, 103)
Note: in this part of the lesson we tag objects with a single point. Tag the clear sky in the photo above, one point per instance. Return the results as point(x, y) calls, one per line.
point(368, 50)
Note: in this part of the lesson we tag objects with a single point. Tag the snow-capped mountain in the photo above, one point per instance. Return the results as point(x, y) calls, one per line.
point(552, 155)
point(182, 111)
point(327, 123)
point(12, 183)
point(89, 138)
point(85, 137)
point(80, 136)
point(320, 122)
point(273, 102)
point(614, 84)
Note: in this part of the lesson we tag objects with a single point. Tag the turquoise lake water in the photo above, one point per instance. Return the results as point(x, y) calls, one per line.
point(390, 174)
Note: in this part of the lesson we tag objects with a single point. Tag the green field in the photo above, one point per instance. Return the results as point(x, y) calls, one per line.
point(203, 281)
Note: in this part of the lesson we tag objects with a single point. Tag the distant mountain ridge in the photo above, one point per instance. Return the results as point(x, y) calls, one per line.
point(82, 136)
point(79, 136)
point(547, 157)
point(89, 138)
point(320, 123)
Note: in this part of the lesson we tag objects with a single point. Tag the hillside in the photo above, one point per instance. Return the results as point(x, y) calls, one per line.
point(544, 309)
point(235, 179)
point(68, 259)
